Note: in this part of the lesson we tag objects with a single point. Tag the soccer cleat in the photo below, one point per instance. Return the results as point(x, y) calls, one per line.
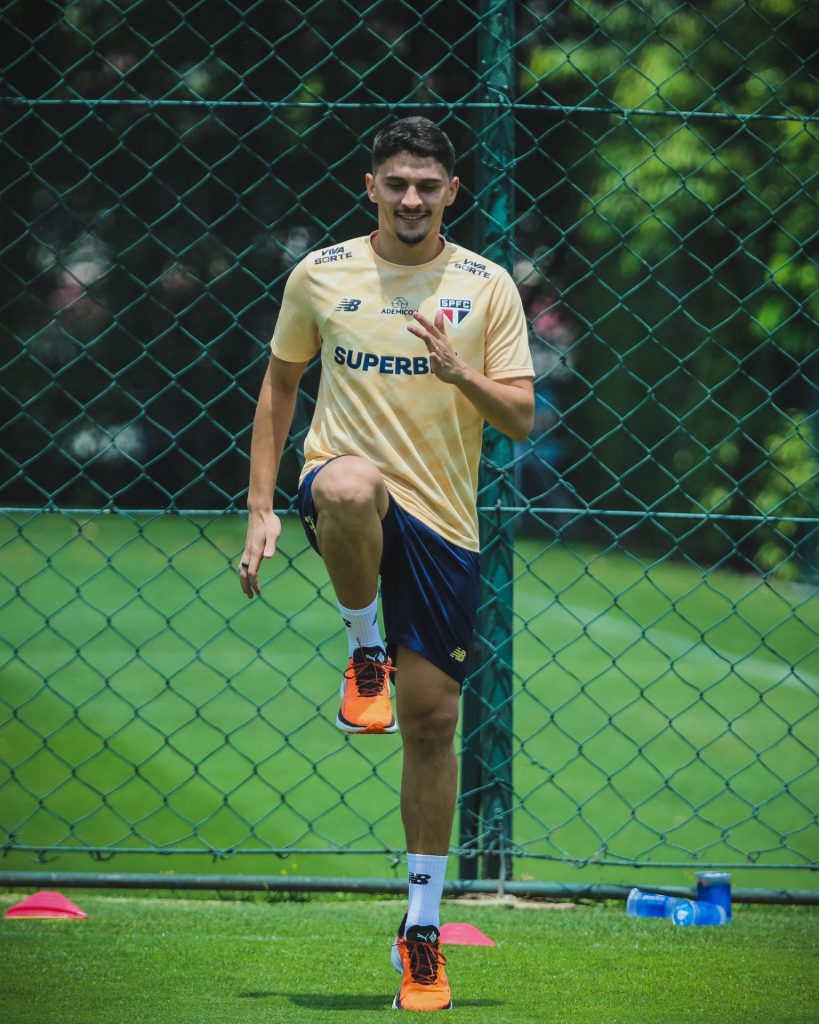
point(424, 985)
point(365, 693)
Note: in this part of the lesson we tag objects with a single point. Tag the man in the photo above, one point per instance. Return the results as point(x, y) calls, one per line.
point(421, 341)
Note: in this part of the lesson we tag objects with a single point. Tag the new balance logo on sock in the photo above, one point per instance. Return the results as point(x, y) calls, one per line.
point(418, 879)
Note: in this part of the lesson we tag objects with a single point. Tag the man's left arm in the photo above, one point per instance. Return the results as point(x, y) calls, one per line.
point(508, 405)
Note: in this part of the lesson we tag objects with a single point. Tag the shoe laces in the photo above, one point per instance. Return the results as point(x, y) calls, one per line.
point(424, 960)
point(369, 676)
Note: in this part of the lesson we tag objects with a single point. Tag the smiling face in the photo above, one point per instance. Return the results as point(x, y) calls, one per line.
point(411, 193)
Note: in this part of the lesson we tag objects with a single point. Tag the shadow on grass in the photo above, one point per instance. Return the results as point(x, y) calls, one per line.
point(323, 1001)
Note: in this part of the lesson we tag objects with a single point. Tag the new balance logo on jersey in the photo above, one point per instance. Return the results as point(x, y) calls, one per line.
point(347, 306)
point(455, 310)
point(458, 654)
point(418, 879)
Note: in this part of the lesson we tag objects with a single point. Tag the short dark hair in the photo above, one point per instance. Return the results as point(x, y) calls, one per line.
point(416, 135)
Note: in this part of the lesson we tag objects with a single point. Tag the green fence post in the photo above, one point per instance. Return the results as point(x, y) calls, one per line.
point(486, 781)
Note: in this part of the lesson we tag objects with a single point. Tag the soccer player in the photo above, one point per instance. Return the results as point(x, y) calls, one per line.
point(421, 341)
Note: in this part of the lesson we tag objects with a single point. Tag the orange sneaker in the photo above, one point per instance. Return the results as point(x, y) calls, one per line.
point(365, 693)
point(424, 985)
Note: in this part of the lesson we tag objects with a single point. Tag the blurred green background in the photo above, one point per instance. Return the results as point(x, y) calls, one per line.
point(676, 725)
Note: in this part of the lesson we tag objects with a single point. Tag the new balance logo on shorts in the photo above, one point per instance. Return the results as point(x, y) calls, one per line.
point(347, 306)
point(418, 879)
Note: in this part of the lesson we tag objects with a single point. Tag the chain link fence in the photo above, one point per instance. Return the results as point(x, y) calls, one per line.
point(645, 673)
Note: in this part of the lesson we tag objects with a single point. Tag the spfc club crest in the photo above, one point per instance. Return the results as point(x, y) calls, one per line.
point(455, 310)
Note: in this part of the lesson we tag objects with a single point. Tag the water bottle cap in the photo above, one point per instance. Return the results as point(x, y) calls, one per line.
point(711, 877)
point(684, 912)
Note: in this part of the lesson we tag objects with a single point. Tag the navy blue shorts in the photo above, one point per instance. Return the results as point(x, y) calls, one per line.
point(429, 587)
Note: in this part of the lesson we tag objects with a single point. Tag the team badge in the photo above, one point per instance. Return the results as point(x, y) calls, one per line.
point(455, 310)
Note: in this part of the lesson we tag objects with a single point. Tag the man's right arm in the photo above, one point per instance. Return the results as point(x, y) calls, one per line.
point(271, 425)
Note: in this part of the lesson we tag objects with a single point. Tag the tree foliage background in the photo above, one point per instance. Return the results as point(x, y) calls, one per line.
point(164, 165)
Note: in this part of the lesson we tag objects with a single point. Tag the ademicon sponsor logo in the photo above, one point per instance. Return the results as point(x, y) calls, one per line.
point(398, 307)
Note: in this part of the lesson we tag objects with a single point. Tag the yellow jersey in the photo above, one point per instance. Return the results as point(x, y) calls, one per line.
point(378, 397)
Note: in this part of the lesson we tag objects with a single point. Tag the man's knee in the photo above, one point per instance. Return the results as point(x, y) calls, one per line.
point(429, 722)
point(428, 701)
point(429, 727)
point(350, 484)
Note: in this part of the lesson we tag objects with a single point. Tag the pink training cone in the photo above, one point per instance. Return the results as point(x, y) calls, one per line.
point(464, 935)
point(44, 905)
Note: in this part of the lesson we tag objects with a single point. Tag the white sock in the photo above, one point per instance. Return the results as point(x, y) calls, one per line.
point(426, 884)
point(362, 626)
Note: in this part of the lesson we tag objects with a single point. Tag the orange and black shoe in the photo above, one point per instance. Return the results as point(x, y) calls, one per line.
point(365, 693)
point(424, 984)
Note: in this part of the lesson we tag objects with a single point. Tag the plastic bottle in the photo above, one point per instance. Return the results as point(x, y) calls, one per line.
point(649, 904)
point(715, 887)
point(688, 912)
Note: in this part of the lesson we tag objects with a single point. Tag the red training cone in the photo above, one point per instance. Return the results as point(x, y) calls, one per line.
point(45, 904)
point(464, 935)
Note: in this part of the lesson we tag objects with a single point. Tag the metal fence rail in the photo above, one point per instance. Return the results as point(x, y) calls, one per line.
point(645, 673)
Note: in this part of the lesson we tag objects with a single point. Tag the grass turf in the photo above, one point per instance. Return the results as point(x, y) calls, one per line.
point(180, 961)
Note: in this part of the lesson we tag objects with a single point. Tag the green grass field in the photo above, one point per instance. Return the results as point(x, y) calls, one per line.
point(144, 961)
point(661, 714)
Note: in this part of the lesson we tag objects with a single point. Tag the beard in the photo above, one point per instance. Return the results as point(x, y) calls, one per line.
point(411, 239)
point(402, 233)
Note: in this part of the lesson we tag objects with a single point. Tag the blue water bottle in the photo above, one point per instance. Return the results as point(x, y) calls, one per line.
point(688, 912)
point(649, 904)
point(715, 887)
